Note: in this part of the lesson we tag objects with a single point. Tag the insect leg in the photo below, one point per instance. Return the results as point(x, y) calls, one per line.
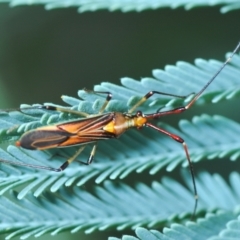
point(180, 140)
point(31, 165)
point(150, 94)
point(66, 110)
point(61, 109)
point(60, 169)
point(83, 114)
point(90, 159)
point(71, 159)
point(108, 98)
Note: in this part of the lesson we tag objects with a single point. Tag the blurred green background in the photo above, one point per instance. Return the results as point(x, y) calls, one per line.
point(44, 54)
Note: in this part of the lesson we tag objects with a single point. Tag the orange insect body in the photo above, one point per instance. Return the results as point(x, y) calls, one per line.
point(110, 125)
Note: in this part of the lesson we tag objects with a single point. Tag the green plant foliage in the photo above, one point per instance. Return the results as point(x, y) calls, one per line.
point(125, 204)
point(130, 5)
point(219, 226)
point(79, 210)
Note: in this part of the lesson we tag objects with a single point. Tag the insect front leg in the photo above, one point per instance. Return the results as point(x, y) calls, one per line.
point(150, 94)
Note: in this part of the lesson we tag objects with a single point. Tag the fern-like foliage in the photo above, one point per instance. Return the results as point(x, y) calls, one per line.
point(130, 5)
point(157, 205)
point(220, 226)
point(111, 204)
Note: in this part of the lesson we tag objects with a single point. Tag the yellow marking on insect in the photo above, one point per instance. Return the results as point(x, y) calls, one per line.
point(110, 127)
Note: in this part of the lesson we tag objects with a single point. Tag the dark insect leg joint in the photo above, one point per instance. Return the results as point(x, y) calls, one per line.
point(63, 167)
point(48, 107)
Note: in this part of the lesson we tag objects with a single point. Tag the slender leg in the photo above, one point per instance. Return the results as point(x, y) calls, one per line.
point(71, 159)
point(150, 94)
point(180, 140)
point(62, 167)
point(35, 166)
point(108, 98)
point(90, 159)
point(66, 110)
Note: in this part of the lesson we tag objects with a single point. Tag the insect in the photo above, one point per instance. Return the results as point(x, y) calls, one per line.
point(103, 126)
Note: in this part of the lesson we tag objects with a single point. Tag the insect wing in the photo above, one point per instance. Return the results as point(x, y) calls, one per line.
point(68, 133)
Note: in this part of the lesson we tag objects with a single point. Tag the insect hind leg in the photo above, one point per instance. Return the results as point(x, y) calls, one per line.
point(89, 161)
point(62, 167)
point(71, 159)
